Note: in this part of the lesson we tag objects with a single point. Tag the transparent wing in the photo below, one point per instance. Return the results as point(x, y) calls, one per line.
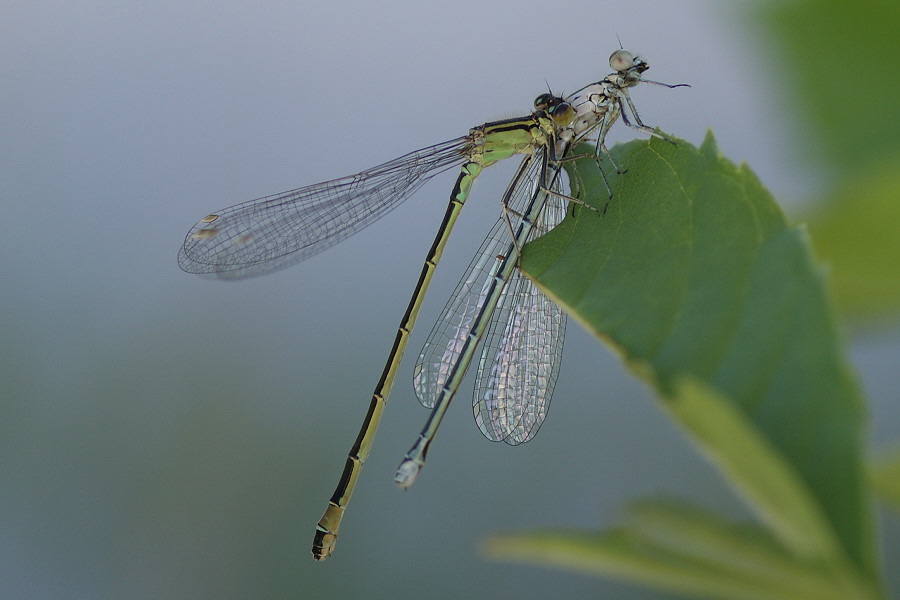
point(521, 353)
point(442, 349)
point(273, 232)
point(444, 344)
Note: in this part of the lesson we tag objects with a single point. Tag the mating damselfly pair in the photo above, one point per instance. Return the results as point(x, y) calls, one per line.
point(521, 329)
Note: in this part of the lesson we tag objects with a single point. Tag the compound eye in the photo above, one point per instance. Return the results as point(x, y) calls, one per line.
point(620, 60)
point(563, 113)
point(545, 101)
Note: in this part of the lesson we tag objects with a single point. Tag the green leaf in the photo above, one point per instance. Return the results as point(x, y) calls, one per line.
point(695, 278)
point(755, 468)
point(687, 550)
point(856, 235)
point(885, 476)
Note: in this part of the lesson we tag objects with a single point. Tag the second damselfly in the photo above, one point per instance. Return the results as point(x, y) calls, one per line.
point(521, 359)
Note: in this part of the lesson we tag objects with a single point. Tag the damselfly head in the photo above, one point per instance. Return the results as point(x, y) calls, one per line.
point(620, 60)
point(562, 114)
point(623, 62)
point(546, 101)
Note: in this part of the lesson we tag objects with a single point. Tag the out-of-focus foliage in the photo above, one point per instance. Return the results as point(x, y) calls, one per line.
point(840, 64)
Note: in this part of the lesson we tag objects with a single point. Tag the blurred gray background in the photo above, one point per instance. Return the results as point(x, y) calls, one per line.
point(164, 436)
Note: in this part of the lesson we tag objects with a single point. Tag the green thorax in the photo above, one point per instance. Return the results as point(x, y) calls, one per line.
point(499, 140)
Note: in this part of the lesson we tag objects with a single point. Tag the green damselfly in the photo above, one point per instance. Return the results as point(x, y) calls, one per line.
point(273, 232)
point(520, 358)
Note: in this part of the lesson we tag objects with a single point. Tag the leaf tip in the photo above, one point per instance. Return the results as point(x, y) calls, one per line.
point(709, 145)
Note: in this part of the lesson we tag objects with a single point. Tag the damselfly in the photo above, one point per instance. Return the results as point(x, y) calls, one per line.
point(273, 232)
